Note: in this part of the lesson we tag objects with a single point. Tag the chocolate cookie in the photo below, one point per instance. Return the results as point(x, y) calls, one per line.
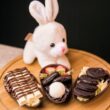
point(83, 93)
point(56, 82)
point(90, 83)
point(86, 87)
point(97, 73)
point(89, 80)
point(50, 78)
point(23, 87)
point(63, 79)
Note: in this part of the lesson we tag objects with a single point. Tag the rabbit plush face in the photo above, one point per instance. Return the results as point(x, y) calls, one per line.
point(51, 39)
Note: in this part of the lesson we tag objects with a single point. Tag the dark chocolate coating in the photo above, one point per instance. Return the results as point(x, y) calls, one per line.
point(63, 99)
point(56, 77)
point(64, 79)
point(21, 79)
point(86, 87)
point(97, 73)
point(50, 78)
point(89, 80)
point(82, 93)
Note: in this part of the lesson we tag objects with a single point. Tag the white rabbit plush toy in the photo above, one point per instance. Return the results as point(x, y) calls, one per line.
point(48, 43)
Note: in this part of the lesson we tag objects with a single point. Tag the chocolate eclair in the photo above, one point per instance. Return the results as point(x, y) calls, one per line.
point(90, 83)
point(23, 87)
point(56, 81)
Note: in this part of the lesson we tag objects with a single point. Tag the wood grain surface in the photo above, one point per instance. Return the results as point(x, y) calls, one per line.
point(78, 59)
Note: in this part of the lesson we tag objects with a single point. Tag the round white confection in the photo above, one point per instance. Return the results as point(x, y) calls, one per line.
point(56, 90)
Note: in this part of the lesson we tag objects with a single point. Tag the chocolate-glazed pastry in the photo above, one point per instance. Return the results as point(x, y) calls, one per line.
point(90, 83)
point(83, 93)
point(56, 81)
point(23, 87)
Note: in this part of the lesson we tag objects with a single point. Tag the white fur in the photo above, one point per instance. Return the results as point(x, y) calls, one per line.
point(46, 33)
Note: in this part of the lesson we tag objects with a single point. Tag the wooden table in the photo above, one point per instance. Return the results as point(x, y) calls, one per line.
point(8, 53)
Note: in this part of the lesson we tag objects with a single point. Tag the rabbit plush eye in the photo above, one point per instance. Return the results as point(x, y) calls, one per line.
point(63, 39)
point(52, 45)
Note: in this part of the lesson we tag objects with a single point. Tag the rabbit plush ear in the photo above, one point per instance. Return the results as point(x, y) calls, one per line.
point(37, 10)
point(52, 9)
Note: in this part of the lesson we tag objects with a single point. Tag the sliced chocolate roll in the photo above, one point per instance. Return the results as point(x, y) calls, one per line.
point(56, 81)
point(90, 83)
point(23, 87)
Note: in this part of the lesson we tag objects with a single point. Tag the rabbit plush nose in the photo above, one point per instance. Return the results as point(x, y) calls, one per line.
point(63, 49)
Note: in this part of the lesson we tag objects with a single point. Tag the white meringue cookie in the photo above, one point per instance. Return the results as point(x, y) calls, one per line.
point(57, 90)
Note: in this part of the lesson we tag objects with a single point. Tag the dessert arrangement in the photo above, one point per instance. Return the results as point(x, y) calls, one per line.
point(23, 87)
point(91, 83)
point(56, 84)
point(56, 81)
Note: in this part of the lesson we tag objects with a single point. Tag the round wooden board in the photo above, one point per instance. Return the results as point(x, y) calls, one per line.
point(78, 60)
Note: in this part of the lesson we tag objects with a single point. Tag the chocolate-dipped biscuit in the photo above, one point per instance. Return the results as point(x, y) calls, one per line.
point(97, 73)
point(90, 83)
point(23, 87)
point(50, 78)
point(86, 87)
point(57, 83)
point(83, 93)
point(89, 80)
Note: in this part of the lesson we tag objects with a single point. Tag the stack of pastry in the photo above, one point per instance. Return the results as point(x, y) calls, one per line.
point(23, 87)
